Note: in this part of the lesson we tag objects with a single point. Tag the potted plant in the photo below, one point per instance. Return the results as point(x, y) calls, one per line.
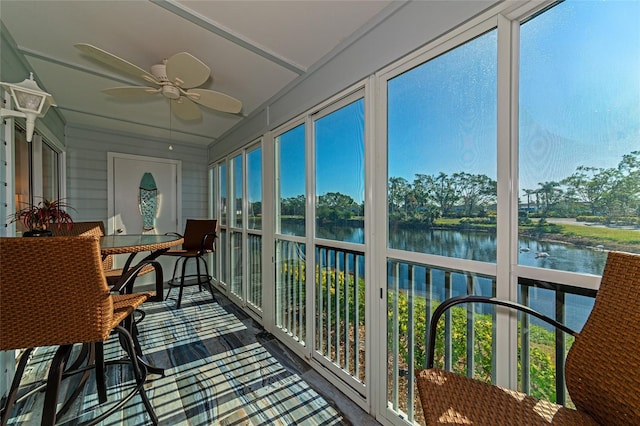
point(39, 217)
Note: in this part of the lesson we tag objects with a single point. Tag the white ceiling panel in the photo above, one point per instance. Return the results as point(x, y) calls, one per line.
point(254, 49)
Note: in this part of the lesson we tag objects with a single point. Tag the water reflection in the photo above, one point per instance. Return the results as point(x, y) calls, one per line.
point(473, 245)
point(562, 257)
point(467, 245)
point(479, 246)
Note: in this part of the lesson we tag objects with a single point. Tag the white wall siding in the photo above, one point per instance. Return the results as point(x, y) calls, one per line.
point(87, 169)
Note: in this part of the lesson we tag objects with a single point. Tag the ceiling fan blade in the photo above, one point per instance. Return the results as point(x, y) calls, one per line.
point(131, 91)
point(115, 62)
point(188, 70)
point(215, 100)
point(185, 109)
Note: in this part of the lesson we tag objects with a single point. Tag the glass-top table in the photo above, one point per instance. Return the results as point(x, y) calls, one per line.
point(134, 244)
point(118, 244)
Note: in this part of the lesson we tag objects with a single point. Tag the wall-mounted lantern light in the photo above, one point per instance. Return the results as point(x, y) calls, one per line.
point(29, 100)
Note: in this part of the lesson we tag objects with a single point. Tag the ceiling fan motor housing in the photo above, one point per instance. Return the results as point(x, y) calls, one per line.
point(170, 91)
point(159, 71)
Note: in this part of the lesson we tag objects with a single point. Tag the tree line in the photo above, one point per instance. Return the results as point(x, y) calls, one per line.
point(613, 193)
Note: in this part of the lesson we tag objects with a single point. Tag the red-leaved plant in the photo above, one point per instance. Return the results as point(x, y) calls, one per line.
point(46, 212)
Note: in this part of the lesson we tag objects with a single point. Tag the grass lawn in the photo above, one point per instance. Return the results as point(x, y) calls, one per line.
point(622, 239)
point(622, 236)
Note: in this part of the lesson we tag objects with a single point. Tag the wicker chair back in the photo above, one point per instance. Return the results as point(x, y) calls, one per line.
point(603, 364)
point(52, 292)
point(84, 229)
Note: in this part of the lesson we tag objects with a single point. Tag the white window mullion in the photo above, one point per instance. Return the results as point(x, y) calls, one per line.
point(270, 206)
point(245, 224)
point(310, 229)
point(505, 362)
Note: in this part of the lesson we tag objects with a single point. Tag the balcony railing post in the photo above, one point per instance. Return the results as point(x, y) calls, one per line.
point(347, 317)
point(560, 349)
point(428, 277)
point(410, 339)
point(336, 324)
point(525, 356)
point(395, 334)
point(470, 330)
point(448, 339)
point(494, 317)
point(356, 303)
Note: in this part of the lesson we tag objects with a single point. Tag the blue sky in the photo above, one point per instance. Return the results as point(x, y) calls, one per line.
point(580, 88)
point(579, 105)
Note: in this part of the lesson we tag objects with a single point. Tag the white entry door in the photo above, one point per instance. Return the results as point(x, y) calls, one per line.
point(125, 174)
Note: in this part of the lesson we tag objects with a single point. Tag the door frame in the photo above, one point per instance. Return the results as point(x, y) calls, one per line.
point(112, 156)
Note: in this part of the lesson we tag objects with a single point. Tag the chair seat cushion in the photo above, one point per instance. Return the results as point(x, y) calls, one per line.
point(449, 398)
point(182, 253)
point(125, 304)
point(113, 275)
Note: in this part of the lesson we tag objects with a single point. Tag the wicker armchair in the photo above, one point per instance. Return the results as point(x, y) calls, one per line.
point(96, 228)
point(602, 368)
point(53, 292)
point(199, 239)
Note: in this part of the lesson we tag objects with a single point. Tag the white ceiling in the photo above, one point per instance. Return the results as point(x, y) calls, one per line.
point(255, 49)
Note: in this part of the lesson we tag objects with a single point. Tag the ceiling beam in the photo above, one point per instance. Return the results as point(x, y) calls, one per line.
point(214, 27)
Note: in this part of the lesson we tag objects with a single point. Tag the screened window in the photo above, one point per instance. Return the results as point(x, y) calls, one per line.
point(236, 173)
point(442, 154)
point(579, 154)
point(254, 188)
point(223, 193)
point(224, 276)
point(339, 142)
point(291, 180)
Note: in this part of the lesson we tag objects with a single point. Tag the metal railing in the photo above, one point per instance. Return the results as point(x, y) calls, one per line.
point(413, 292)
point(465, 340)
point(567, 305)
point(340, 309)
point(254, 270)
point(290, 289)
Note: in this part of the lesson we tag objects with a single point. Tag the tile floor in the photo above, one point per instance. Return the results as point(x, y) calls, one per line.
point(222, 368)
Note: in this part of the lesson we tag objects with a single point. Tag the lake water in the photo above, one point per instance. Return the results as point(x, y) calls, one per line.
point(481, 246)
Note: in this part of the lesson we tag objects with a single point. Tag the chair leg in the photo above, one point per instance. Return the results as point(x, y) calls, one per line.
point(173, 277)
point(86, 356)
point(100, 383)
point(184, 271)
point(132, 326)
point(58, 370)
point(140, 373)
point(206, 270)
point(198, 273)
point(183, 276)
point(15, 384)
point(53, 384)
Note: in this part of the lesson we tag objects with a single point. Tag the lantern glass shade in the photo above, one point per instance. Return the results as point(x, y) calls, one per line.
point(28, 97)
point(30, 102)
point(27, 102)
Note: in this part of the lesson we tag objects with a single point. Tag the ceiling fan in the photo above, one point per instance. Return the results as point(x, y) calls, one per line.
point(176, 78)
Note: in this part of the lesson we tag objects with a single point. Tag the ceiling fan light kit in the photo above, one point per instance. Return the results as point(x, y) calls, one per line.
point(170, 92)
point(176, 78)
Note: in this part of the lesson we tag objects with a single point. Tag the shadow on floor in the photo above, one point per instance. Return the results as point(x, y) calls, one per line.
point(221, 368)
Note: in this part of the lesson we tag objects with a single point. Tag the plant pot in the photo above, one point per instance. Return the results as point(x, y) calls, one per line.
point(37, 233)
